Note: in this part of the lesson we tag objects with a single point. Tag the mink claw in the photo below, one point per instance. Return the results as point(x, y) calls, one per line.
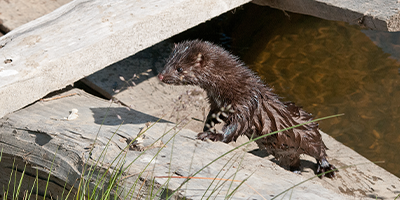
point(326, 169)
point(211, 136)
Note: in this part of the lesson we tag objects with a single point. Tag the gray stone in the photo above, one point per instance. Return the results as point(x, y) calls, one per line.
point(381, 15)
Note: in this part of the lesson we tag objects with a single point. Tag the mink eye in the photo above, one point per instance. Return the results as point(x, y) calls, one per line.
point(179, 69)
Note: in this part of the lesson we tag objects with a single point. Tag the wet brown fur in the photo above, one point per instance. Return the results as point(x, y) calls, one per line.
point(255, 109)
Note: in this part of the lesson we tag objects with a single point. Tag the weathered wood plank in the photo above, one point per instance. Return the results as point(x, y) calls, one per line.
point(15, 13)
point(40, 129)
point(40, 133)
point(381, 15)
point(84, 36)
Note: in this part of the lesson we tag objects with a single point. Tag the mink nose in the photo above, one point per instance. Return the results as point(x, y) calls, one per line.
point(160, 77)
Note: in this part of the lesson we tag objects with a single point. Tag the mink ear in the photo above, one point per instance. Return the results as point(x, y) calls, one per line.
point(200, 59)
point(175, 45)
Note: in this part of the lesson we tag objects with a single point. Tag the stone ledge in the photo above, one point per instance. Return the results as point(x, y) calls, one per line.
point(380, 15)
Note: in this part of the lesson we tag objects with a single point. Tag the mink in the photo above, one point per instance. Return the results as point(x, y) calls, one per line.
point(246, 105)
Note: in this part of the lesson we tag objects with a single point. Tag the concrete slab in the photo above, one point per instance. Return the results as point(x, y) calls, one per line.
point(84, 36)
point(381, 15)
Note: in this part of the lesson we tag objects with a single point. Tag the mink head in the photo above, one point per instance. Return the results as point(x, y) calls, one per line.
point(188, 64)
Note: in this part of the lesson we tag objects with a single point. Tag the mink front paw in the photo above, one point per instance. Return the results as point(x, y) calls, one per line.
point(211, 136)
point(326, 169)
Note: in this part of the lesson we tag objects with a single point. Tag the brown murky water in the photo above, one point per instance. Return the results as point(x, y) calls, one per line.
point(332, 67)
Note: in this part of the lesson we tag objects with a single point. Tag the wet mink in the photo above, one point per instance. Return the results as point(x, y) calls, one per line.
point(239, 98)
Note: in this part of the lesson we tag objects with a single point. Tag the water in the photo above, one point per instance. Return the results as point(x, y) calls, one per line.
point(332, 67)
